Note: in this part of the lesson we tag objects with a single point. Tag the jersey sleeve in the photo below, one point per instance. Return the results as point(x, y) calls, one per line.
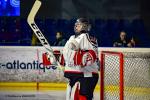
point(68, 53)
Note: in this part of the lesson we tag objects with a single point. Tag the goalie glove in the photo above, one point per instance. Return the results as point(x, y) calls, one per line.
point(51, 60)
point(48, 59)
point(85, 58)
point(59, 56)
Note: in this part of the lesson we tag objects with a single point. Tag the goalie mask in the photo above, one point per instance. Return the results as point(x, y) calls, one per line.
point(82, 25)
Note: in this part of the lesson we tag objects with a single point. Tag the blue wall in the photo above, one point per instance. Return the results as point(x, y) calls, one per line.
point(15, 31)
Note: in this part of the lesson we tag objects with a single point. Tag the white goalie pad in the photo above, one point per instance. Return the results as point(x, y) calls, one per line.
point(73, 93)
point(68, 92)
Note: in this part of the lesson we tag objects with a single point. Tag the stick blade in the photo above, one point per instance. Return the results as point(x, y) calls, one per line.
point(34, 11)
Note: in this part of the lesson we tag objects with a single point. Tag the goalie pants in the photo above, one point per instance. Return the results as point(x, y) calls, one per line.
point(87, 84)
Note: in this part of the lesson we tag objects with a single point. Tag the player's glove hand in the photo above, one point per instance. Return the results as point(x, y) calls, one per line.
point(48, 59)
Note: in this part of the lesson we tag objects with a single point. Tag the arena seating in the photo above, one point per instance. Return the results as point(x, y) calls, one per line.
point(15, 31)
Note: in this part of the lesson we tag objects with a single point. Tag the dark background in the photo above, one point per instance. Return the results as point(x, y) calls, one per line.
point(108, 18)
point(104, 9)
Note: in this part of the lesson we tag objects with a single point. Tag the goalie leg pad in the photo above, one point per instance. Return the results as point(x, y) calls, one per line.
point(68, 92)
point(82, 97)
point(72, 93)
point(75, 91)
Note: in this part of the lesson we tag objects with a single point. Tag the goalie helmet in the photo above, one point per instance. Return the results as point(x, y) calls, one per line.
point(82, 25)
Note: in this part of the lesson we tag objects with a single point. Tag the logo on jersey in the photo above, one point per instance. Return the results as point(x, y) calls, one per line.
point(85, 58)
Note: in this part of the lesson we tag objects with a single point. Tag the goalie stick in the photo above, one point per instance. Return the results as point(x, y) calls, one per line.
point(38, 32)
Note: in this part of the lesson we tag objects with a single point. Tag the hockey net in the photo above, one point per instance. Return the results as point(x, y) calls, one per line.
point(125, 75)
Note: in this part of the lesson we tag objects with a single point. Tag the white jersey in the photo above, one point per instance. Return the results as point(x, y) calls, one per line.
point(84, 42)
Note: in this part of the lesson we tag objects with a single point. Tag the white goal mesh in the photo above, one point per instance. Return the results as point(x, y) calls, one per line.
point(125, 76)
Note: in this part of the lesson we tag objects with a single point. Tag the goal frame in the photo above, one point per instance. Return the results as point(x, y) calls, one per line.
point(121, 73)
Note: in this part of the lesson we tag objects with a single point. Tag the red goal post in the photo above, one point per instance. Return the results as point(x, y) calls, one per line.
point(121, 73)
